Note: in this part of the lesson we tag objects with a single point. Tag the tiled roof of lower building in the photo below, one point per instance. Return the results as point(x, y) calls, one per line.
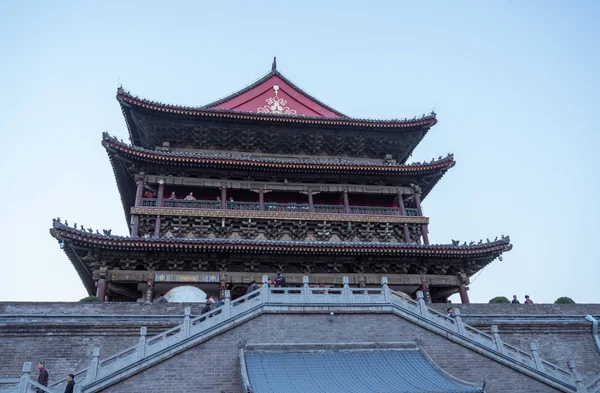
point(359, 371)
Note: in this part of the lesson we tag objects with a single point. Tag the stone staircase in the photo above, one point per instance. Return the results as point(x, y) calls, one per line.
point(103, 373)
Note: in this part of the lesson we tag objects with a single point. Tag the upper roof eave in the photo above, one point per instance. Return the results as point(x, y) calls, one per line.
point(126, 100)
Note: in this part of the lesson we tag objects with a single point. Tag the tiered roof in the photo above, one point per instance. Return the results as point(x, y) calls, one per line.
point(484, 252)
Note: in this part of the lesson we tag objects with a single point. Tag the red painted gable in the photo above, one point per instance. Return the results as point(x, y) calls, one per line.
point(275, 95)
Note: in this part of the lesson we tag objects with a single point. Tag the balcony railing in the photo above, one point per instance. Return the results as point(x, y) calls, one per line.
point(280, 207)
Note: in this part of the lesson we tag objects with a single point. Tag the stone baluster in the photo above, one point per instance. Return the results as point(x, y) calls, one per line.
point(306, 290)
point(227, 305)
point(497, 338)
point(25, 373)
point(346, 291)
point(577, 378)
point(422, 306)
point(265, 289)
point(385, 290)
point(141, 351)
point(186, 322)
point(93, 370)
point(460, 325)
point(536, 357)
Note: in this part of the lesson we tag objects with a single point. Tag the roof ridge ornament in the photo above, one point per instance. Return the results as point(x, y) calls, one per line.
point(276, 105)
point(274, 65)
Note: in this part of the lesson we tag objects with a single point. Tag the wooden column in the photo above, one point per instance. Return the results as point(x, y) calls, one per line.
point(346, 203)
point(101, 289)
point(223, 198)
point(261, 200)
point(311, 205)
point(159, 203)
point(149, 292)
point(403, 213)
point(138, 202)
point(464, 296)
point(424, 228)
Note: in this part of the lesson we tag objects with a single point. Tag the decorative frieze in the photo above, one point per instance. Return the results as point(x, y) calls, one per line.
point(265, 229)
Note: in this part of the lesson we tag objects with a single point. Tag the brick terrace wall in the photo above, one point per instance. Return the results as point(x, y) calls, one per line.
point(213, 366)
point(560, 331)
point(64, 334)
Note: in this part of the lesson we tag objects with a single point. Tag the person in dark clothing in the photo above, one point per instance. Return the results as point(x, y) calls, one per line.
point(43, 377)
point(70, 383)
point(206, 309)
point(280, 281)
point(162, 299)
point(252, 287)
point(515, 300)
point(450, 312)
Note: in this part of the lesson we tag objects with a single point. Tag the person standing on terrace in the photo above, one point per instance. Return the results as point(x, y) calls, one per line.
point(190, 197)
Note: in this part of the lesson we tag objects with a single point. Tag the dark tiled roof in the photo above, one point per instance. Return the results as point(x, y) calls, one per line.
point(492, 248)
point(126, 99)
point(364, 371)
point(262, 80)
point(299, 163)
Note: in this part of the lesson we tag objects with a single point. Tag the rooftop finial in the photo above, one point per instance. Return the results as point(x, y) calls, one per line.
point(274, 66)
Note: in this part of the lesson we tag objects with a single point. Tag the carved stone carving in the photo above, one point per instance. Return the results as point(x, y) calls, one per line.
point(323, 232)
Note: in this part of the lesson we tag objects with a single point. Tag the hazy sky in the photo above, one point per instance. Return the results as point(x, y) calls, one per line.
point(515, 85)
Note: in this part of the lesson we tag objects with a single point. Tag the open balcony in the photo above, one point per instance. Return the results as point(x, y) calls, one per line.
point(290, 207)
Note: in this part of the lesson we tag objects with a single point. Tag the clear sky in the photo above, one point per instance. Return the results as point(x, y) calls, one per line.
point(515, 85)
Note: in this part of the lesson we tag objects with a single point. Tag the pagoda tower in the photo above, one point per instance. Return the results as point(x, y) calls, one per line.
point(269, 180)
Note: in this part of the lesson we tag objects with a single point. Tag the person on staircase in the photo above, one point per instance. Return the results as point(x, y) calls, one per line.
point(43, 377)
point(70, 383)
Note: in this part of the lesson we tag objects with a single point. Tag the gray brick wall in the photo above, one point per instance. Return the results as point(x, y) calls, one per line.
point(64, 334)
point(213, 365)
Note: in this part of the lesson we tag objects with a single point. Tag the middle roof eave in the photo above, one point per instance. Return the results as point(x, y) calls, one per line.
point(202, 159)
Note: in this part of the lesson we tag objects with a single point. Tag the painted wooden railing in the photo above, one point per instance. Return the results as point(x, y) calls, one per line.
point(279, 207)
point(416, 310)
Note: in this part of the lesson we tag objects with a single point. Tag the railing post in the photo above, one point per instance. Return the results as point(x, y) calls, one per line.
point(305, 290)
point(385, 290)
point(422, 306)
point(346, 290)
point(536, 357)
point(265, 289)
point(186, 322)
point(141, 351)
point(577, 378)
point(497, 339)
point(92, 372)
point(460, 326)
point(227, 305)
point(26, 371)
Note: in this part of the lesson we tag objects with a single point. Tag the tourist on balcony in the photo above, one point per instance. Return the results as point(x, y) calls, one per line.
point(172, 196)
point(280, 281)
point(218, 198)
point(515, 300)
point(70, 383)
point(527, 300)
point(43, 377)
point(190, 197)
point(450, 314)
point(148, 194)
